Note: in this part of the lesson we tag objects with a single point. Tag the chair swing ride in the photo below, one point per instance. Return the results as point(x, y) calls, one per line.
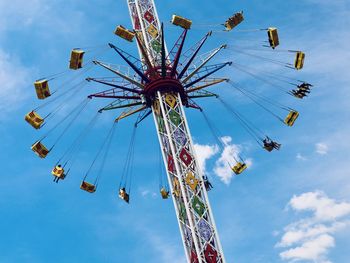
point(161, 84)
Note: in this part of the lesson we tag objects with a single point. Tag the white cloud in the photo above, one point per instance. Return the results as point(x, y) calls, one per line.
point(321, 148)
point(311, 238)
point(229, 156)
point(204, 153)
point(14, 79)
point(301, 157)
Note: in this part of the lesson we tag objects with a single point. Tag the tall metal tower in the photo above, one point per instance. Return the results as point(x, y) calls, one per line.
point(196, 222)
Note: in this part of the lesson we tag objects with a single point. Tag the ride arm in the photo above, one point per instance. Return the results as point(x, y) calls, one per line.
point(130, 111)
point(211, 70)
point(132, 65)
point(201, 43)
point(204, 62)
point(124, 76)
point(207, 83)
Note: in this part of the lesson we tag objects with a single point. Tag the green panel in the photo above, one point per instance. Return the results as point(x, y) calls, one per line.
point(156, 46)
point(182, 212)
point(175, 117)
point(198, 206)
point(161, 124)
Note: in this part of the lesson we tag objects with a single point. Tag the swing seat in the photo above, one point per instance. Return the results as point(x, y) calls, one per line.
point(88, 187)
point(291, 118)
point(239, 168)
point(58, 172)
point(42, 89)
point(34, 119)
point(124, 33)
point(181, 21)
point(268, 147)
point(164, 193)
point(40, 149)
point(76, 59)
point(124, 195)
point(299, 60)
point(273, 37)
point(234, 21)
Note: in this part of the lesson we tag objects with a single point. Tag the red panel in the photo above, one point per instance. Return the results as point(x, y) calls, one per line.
point(185, 157)
point(149, 17)
point(194, 258)
point(210, 255)
point(171, 165)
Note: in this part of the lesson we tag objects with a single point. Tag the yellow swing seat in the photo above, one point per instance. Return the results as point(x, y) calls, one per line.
point(234, 21)
point(91, 188)
point(40, 149)
point(239, 168)
point(124, 195)
point(181, 21)
point(299, 60)
point(58, 172)
point(124, 33)
point(273, 37)
point(42, 89)
point(164, 193)
point(34, 119)
point(76, 59)
point(291, 117)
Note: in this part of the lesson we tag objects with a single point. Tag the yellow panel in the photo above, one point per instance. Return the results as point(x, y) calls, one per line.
point(191, 181)
point(176, 187)
point(58, 171)
point(152, 30)
point(156, 107)
point(170, 100)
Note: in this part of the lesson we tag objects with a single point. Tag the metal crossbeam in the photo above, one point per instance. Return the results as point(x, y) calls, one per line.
point(119, 73)
point(209, 70)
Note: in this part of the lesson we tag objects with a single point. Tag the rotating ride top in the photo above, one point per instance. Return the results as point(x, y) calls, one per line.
point(161, 84)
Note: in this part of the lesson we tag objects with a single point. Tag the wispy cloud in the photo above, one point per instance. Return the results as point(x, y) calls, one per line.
point(301, 157)
point(14, 78)
point(321, 148)
point(312, 237)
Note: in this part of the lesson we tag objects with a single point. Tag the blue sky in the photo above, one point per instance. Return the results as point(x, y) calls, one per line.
point(290, 206)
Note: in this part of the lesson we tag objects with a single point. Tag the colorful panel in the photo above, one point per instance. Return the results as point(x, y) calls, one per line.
point(176, 187)
point(171, 164)
point(175, 117)
point(170, 99)
point(148, 16)
point(180, 137)
point(198, 206)
point(204, 230)
point(194, 257)
point(210, 254)
point(182, 212)
point(156, 46)
point(185, 157)
point(161, 124)
point(191, 181)
point(152, 30)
